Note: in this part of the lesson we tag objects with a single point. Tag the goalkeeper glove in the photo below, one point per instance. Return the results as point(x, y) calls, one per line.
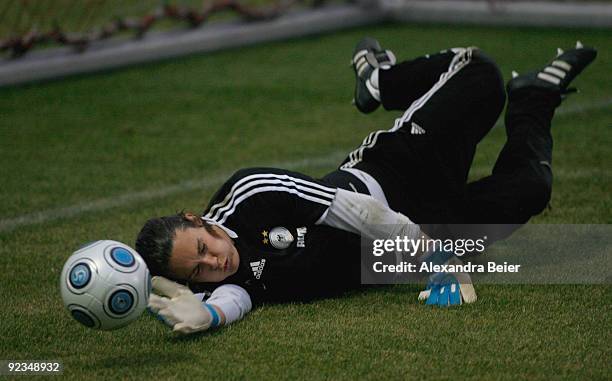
point(179, 308)
point(448, 289)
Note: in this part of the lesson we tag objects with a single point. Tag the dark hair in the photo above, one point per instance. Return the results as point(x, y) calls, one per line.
point(155, 240)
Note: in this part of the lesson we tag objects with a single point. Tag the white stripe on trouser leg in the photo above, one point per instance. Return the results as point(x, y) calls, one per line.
point(462, 57)
point(353, 156)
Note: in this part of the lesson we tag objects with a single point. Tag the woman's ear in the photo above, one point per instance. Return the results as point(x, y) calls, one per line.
point(195, 219)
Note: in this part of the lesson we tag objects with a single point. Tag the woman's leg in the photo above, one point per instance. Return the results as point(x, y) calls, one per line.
point(450, 101)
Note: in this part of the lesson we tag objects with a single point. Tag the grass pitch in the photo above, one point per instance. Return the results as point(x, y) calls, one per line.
point(93, 157)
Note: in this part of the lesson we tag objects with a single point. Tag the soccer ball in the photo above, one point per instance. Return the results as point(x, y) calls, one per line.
point(105, 285)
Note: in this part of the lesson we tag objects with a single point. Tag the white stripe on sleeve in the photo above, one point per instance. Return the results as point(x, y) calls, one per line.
point(254, 184)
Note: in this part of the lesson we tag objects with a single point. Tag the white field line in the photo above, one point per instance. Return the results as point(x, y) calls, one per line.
point(215, 180)
point(334, 158)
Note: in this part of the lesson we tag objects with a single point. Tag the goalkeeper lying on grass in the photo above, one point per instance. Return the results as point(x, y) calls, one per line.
point(271, 234)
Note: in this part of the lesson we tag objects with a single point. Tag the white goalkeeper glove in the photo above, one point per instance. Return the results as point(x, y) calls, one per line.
point(179, 308)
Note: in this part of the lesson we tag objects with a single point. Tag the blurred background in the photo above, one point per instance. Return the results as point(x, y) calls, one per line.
point(115, 33)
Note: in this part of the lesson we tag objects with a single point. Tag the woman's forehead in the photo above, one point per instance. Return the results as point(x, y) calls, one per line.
point(184, 251)
point(187, 239)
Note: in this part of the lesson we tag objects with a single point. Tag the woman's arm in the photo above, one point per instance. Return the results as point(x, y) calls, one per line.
point(364, 215)
point(230, 302)
point(178, 307)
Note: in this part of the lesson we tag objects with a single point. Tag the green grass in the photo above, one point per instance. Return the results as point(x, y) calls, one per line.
point(90, 137)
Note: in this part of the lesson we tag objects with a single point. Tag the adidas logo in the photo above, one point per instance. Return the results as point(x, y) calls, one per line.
point(417, 130)
point(258, 267)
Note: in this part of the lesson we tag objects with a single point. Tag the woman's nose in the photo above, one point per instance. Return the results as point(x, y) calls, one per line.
point(210, 260)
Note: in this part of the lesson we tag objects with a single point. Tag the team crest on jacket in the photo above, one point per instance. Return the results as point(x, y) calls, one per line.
point(280, 237)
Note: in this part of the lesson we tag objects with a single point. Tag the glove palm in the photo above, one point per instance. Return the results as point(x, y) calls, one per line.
point(178, 307)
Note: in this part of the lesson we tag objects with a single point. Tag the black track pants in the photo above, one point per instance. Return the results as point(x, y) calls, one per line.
point(450, 101)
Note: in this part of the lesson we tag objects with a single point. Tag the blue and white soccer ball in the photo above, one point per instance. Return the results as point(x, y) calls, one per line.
point(105, 285)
